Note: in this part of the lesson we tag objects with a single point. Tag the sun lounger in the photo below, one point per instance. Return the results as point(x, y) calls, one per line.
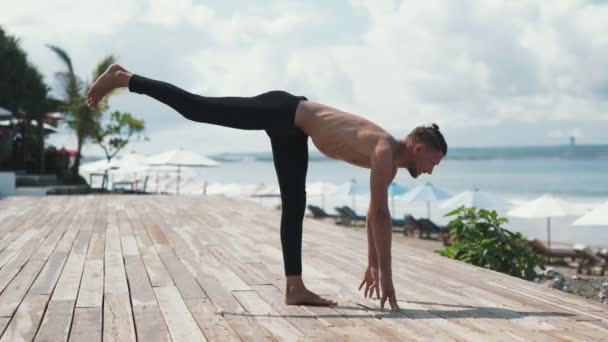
point(319, 213)
point(348, 217)
point(425, 228)
point(539, 247)
point(589, 261)
point(354, 215)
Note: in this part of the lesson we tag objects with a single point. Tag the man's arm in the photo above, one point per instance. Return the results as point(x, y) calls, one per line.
point(379, 215)
point(372, 256)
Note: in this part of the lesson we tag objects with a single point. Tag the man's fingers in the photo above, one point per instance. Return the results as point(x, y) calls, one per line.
point(363, 282)
point(366, 289)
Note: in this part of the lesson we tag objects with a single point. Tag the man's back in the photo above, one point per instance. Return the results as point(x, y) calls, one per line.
point(340, 135)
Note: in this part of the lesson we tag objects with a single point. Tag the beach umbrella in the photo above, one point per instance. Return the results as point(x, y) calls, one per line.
point(267, 190)
point(596, 217)
point(320, 189)
point(395, 189)
point(5, 112)
point(545, 206)
point(428, 193)
point(475, 198)
point(179, 158)
point(351, 188)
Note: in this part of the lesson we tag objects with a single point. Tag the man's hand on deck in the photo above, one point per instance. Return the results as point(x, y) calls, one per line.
point(388, 292)
point(371, 280)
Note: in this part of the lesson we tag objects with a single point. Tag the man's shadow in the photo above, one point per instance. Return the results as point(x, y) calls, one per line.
point(467, 311)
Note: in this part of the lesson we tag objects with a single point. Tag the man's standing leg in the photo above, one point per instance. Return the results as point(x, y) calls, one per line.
point(290, 154)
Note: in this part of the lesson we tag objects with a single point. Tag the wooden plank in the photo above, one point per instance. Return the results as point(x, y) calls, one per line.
point(13, 249)
point(129, 245)
point(204, 312)
point(183, 279)
point(69, 281)
point(91, 287)
point(157, 235)
point(267, 316)
point(156, 271)
point(139, 284)
point(4, 321)
point(18, 287)
point(56, 322)
point(96, 248)
point(6, 275)
point(87, 325)
point(213, 325)
point(117, 318)
point(115, 275)
point(180, 322)
point(26, 320)
point(150, 324)
point(45, 283)
point(226, 305)
point(303, 320)
point(44, 252)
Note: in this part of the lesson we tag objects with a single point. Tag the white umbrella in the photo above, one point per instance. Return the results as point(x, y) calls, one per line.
point(351, 188)
point(475, 198)
point(395, 189)
point(320, 189)
point(546, 206)
point(5, 112)
point(180, 158)
point(428, 193)
point(267, 190)
point(596, 217)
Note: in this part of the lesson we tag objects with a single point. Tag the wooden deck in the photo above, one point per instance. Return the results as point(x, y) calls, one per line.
point(179, 268)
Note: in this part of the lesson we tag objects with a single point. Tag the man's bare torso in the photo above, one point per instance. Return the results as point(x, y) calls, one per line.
point(341, 135)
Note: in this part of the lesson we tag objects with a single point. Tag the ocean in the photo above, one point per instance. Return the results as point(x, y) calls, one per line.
point(578, 174)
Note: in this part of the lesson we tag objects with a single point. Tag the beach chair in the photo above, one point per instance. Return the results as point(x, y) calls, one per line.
point(123, 187)
point(104, 182)
point(425, 227)
point(319, 213)
point(589, 261)
point(539, 247)
point(138, 190)
point(348, 217)
point(603, 253)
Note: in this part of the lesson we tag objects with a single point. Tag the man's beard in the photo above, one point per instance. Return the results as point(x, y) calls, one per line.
point(413, 173)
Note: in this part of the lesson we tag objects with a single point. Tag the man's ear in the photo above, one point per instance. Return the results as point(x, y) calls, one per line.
point(418, 148)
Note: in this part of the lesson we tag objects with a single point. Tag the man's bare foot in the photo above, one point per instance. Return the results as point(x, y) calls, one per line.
point(302, 296)
point(297, 294)
point(115, 77)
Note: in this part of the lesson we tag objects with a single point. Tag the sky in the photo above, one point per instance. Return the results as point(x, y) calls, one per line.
point(488, 72)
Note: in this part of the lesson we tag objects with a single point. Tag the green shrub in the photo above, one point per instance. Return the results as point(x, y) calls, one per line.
point(478, 239)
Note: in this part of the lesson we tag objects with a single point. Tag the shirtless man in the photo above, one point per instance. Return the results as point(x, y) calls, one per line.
point(289, 120)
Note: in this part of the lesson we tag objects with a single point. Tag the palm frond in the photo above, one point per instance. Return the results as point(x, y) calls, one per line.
point(70, 81)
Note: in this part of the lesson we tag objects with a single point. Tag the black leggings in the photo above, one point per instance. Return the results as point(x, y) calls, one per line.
point(273, 112)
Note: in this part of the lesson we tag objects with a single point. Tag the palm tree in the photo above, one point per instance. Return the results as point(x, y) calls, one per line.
point(80, 118)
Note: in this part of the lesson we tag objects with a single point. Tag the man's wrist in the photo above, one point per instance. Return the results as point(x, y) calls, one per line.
point(386, 273)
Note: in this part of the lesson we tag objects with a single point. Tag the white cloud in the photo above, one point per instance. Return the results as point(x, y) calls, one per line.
point(461, 64)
